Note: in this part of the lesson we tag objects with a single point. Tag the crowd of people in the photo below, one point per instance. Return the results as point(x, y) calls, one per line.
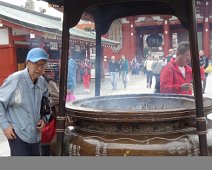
point(173, 73)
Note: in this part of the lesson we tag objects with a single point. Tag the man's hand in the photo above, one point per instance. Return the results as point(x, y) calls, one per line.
point(40, 124)
point(9, 133)
point(186, 87)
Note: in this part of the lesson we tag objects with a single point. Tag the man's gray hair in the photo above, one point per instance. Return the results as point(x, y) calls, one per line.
point(183, 47)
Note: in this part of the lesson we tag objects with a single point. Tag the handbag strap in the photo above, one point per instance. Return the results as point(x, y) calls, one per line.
point(155, 64)
point(54, 111)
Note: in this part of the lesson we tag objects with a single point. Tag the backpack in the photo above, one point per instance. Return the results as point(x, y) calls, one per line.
point(49, 130)
point(45, 107)
point(45, 103)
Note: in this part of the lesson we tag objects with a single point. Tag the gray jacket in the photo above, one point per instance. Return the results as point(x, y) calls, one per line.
point(157, 66)
point(20, 102)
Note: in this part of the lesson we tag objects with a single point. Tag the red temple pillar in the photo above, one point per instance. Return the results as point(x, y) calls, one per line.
point(206, 32)
point(132, 37)
point(166, 34)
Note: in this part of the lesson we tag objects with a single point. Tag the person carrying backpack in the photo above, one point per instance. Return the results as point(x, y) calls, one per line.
point(49, 131)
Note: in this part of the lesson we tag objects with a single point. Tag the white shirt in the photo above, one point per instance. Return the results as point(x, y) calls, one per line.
point(182, 69)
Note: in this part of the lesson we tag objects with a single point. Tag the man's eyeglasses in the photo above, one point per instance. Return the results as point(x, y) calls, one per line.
point(37, 64)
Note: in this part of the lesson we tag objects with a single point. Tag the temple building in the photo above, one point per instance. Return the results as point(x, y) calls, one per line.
point(132, 32)
point(22, 29)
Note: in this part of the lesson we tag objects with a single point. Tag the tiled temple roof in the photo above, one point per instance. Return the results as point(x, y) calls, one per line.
point(42, 22)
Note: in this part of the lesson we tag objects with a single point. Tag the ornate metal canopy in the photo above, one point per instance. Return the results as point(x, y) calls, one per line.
point(105, 11)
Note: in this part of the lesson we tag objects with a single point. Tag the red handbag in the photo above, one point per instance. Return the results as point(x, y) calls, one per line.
point(48, 132)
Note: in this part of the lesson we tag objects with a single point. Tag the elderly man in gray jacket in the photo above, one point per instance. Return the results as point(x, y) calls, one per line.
point(20, 103)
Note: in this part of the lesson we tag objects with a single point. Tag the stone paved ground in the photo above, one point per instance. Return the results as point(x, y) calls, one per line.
point(137, 84)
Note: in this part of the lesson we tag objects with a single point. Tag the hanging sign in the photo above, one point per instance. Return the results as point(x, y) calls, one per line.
point(53, 46)
point(51, 36)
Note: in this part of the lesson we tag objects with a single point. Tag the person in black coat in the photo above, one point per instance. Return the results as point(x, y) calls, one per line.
point(203, 59)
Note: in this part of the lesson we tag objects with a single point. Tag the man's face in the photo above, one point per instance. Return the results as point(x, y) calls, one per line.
point(171, 52)
point(186, 58)
point(201, 53)
point(36, 69)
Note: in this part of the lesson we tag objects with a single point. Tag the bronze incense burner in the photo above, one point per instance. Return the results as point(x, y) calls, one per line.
point(134, 125)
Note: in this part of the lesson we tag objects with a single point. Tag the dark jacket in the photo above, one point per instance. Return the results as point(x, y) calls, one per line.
point(124, 65)
point(203, 60)
point(113, 66)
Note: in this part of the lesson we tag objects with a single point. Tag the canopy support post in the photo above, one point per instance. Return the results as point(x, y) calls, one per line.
point(98, 63)
point(200, 117)
point(63, 80)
